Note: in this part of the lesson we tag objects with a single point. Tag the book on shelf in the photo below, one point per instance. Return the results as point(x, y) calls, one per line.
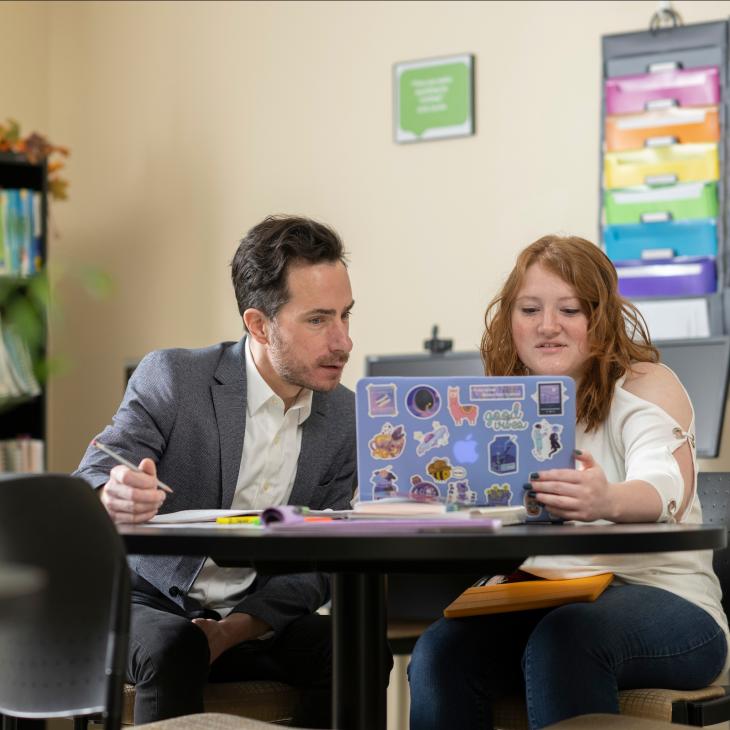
point(20, 232)
point(17, 379)
point(22, 455)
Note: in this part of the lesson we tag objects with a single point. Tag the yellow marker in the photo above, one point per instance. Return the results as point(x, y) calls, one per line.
point(242, 519)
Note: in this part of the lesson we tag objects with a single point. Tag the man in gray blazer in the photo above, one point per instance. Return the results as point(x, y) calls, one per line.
point(245, 425)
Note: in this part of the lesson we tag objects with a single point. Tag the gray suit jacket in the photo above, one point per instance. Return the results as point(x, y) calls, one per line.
point(186, 410)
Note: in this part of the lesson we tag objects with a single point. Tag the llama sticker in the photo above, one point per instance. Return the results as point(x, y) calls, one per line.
point(459, 411)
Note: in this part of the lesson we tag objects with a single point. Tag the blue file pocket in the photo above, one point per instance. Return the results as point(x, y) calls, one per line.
point(683, 238)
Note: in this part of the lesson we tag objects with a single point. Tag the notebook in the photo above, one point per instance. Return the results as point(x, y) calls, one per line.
point(462, 440)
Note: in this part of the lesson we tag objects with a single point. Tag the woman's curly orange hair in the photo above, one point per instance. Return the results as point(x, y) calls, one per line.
point(617, 333)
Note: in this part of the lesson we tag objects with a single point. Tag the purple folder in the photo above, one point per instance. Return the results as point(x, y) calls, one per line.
point(681, 276)
point(390, 527)
point(680, 87)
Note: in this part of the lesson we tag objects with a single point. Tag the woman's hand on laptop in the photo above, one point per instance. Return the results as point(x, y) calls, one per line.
point(575, 494)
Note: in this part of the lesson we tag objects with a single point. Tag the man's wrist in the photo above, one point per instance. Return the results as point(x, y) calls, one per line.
point(240, 627)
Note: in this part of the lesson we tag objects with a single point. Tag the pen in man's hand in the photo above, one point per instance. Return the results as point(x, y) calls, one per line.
point(160, 484)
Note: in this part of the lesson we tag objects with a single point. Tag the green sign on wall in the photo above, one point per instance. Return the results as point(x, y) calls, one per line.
point(434, 98)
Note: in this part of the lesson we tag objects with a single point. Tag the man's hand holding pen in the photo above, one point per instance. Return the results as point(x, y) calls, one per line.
point(133, 496)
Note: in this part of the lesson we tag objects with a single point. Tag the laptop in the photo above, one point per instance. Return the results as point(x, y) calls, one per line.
point(463, 440)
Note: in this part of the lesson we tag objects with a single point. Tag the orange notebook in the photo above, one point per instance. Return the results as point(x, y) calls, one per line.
point(526, 595)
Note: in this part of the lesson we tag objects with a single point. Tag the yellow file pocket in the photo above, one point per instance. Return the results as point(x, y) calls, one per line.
point(662, 165)
point(526, 595)
point(675, 125)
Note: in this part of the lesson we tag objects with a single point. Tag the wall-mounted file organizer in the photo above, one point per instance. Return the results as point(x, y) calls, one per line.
point(678, 276)
point(674, 125)
point(656, 166)
point(663, 173)
point(649, 241)
point(662, 86)
point(645, 204)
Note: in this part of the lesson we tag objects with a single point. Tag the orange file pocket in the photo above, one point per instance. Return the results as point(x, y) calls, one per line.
point(675, 125)
point(526, 595)
point(662, 165)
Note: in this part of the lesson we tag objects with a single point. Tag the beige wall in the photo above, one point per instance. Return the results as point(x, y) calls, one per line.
point(24, 64)
point(189, 122)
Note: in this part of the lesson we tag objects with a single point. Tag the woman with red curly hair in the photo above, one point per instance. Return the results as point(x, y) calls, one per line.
point(660, 623)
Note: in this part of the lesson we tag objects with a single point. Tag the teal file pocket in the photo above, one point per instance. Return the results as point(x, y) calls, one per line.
point(674, 238)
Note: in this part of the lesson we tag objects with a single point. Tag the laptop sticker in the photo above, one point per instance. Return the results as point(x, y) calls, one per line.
point(382, 399)
point(438, 436)
point(506, 420)
point(389, 443)
point(549, 399)
point(502, 391)
point(461, 412)
point(384, 483)
point(498, 495)
point(423, 490)
point(423, 401)
point(503, 451)
point(460, 492)
point(546, 440)
point(442, 470)
point(533, 507)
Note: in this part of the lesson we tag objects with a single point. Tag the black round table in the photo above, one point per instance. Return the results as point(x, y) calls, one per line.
point(358, 566)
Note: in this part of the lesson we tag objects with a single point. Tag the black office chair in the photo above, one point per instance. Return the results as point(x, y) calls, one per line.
point(66, 656)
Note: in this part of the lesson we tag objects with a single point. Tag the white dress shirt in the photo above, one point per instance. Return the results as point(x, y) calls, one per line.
point(266, 476)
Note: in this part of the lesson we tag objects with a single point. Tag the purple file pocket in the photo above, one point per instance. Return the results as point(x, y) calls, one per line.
point(673, 87)
point(678, 277)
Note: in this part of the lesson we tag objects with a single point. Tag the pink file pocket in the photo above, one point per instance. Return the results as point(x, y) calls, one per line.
point(672, 87)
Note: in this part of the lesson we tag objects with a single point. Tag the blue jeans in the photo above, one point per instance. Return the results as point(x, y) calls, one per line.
point(570, 660)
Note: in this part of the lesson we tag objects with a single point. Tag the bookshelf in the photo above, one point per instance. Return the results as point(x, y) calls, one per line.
point(25, 416)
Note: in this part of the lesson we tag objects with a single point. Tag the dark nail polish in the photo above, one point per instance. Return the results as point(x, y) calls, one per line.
point(532, 494)
point(577, 452)
point(527, 486)
point(534, 475)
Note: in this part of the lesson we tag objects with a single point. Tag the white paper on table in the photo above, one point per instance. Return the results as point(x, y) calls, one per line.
point(200, 515)
point(208, 526)
point(674, 319)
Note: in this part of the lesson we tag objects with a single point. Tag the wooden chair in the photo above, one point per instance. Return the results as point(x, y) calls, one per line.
point(609, 722)
point(261, 700)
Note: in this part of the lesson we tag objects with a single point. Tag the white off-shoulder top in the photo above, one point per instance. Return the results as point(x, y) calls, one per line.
point(637, 441)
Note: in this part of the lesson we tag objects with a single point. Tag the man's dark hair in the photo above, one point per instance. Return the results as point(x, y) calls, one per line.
point(259, 267)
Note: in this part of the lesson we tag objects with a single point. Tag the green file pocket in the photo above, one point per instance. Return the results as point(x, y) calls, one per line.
point(645, 204)
point(662, 165)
